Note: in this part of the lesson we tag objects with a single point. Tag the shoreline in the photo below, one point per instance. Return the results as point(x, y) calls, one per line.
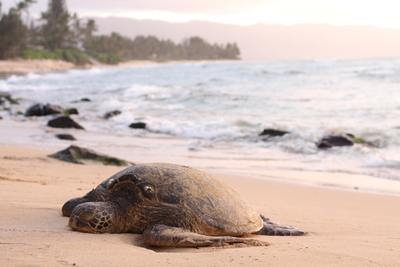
point(44, 66)
point(24, 67)
point(148, 147)
point(345, 228)
point(151, 148)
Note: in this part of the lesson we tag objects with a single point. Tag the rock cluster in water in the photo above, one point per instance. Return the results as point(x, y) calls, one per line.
point(63, 120)
point(329, 141)
point(43, 110)
point(49, 109)
point(346, 139)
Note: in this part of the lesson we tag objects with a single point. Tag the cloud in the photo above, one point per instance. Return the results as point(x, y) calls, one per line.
point(381, 13)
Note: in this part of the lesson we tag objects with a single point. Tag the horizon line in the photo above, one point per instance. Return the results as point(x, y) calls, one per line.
point(244, 25)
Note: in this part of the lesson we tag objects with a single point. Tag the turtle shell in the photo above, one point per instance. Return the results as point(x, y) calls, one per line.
point(193, 198)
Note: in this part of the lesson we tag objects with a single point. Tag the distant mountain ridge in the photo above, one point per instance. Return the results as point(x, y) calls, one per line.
point(263, 41)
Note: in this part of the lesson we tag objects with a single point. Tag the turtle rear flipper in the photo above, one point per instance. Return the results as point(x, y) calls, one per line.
point(165, 236)
point(270, 228)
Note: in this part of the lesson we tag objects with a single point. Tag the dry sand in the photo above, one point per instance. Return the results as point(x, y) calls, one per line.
point(346, 228)
point(33, 66)
point(21, 66)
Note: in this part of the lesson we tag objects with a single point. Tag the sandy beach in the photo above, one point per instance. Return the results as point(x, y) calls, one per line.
point(8, 67)
point(41, 66)
point(345, 228)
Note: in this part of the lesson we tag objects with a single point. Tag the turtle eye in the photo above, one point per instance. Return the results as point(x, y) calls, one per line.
point(148, 190)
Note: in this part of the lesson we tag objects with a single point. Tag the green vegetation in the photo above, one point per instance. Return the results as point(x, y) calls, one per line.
point(359, 140)
point(72, 55)
point(151, 48)
point(13, 32)
point(62, 36)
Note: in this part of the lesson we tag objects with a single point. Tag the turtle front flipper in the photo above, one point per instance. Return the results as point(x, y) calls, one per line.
point(270, 228)
point(166, 236)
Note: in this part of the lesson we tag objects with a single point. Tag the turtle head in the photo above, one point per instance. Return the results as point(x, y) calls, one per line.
point(120, 209)
point(97, 194)
point(97, 217)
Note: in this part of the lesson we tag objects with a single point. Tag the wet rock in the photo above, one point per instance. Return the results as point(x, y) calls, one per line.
point(7, 98)
point(64, 122)
point(346, 139)
point(336, 140)
point(68, 137)
point(71, 111)
point(111, 114)
point(78, 155)
point(138, 125)
point(43, 110)
point(272, 132)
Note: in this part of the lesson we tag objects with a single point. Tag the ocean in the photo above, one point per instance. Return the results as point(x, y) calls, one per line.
point(223, 106)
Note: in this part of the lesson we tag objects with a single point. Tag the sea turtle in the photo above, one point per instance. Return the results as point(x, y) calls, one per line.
point(172, 206)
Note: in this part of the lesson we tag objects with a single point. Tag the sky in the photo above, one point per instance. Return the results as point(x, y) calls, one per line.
point(380, 13)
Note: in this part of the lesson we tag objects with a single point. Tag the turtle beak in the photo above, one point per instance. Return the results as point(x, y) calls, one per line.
point(77, 224)
point(81, 217)
point(71, 204)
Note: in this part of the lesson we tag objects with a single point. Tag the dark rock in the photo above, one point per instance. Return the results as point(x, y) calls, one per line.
point(64, 122)
point(138, 125)
point(111, 114)
point(1, 117)
point(336, 140)
point(6, 97)
point(78, 155)
point(84, 99)
point(71, 111)
point(43, 110)
point(68, 137)
point(272, 132)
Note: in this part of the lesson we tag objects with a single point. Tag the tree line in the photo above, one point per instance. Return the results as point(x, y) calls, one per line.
point(59, 34)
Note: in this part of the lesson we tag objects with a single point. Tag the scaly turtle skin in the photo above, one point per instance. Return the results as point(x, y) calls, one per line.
point(172, 206)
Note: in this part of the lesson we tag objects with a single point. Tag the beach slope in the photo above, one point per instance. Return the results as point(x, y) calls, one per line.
point(345, 228)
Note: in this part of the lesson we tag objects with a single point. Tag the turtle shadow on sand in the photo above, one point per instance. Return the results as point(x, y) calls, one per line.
point(172, 206)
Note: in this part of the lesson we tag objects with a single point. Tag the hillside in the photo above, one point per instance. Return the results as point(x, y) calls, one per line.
point(272, 41)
